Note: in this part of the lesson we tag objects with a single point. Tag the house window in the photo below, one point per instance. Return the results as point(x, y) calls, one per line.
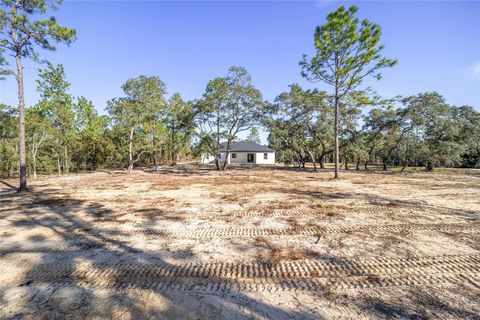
point(234, 156)
point(265, 156)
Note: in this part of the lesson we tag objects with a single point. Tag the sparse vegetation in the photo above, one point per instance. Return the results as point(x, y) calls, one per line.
point(125, 219)
point(277, 233)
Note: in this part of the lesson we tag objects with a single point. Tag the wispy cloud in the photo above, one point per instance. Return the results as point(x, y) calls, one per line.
point(471, 72)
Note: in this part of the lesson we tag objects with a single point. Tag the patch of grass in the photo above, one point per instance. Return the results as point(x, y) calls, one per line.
point(233, 197)
point(317, 205)
point(293, 222)
point(278, 205)
point(274, 254)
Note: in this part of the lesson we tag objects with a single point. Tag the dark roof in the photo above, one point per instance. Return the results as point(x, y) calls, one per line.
point(245, 146)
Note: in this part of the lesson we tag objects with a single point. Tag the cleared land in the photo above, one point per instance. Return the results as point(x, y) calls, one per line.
point(246, 243)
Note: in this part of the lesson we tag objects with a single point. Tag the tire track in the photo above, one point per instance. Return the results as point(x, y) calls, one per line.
point(272, 232)
point(304, 275)
point(262, 210)
point(261, 285)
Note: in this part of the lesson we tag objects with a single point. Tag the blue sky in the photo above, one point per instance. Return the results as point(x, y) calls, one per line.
point(188, 43)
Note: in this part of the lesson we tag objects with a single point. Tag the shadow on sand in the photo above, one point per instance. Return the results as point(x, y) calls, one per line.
point(68, 296)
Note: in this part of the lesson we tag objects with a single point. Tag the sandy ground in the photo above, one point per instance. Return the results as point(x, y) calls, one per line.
point(192, 243)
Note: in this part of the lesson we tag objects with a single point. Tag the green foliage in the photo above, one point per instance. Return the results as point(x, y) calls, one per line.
point(8, 141)
point(136, 115)
point(57, 104)
point(347, 51)
point(24, 28)
point(298, 125)
point(210, 117)
point(439, 127)
point(254, 135)
point(142, 128)
point(179, 118)
point(93, 149)
point(230, 105)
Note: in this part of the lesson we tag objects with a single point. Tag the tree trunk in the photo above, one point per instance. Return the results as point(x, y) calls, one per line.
point(65, 151)
point(173, 143)
point(21, 128)
point(384, 165)
point(218, 155)
point(227, 154)
point(346, 163)
point(312, 158)
point(366, 165)
point(335, 129)
point(160, 153)
point(130, 146)
point(154, 143)
point(34, 160)
point(357, 167)
point(429, 166)
point(321, 161)
point(58, 166)
point(225, 161)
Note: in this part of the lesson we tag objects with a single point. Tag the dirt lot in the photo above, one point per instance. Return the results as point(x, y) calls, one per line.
point(192, 243)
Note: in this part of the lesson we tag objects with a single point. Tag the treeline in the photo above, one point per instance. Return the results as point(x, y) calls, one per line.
point(421, 130)
point(66, 133)
point(145, 127)
point(142, 127)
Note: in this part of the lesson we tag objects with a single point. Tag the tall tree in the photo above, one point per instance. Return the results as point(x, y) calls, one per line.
point(300, 120)
point(179, 116)
point(93, 147)
point(469, 121)
point(22, 31)
point(244, 106)
point(39, 131)
point(288, 149)
point(301, 109)
point(138, 112)
point(254, 135)
point(230, 105)
point(57, 103)
point(347, 51)
point(210, 117)
point(439, 128)
point(8, 139)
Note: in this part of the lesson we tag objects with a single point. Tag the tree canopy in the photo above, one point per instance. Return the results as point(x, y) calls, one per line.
point(347, 51)
point(144, 126)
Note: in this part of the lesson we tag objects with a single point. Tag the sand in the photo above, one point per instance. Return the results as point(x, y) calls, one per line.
point(248, 243)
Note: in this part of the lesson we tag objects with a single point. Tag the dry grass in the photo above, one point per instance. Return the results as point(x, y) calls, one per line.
point(204, 217)
point(273, 254)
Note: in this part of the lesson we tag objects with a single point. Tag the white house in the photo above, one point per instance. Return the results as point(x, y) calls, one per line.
point(244, 152)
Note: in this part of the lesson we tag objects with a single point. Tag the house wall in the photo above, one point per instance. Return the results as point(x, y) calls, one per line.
point(208, 158)
point(270, 158)
point(242, 158)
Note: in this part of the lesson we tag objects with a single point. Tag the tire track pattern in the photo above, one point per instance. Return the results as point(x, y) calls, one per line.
point(262, 210)
point(271, 232)
point(305, 275)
